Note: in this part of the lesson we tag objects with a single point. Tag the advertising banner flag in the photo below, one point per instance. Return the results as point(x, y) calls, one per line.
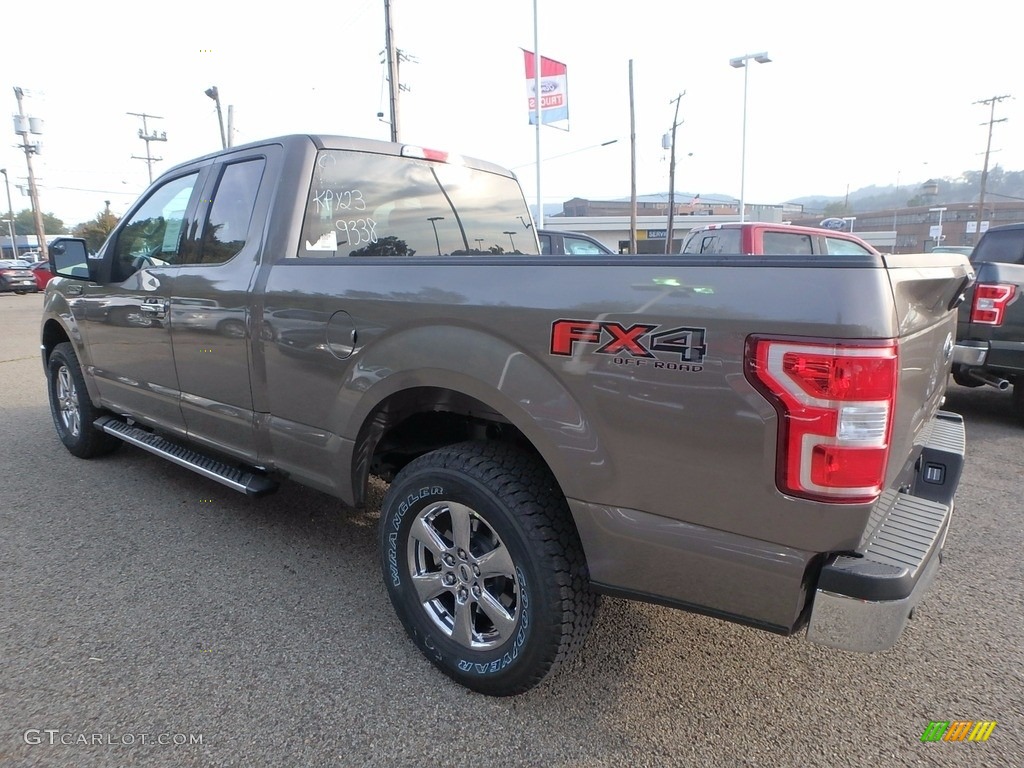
point(554, 98)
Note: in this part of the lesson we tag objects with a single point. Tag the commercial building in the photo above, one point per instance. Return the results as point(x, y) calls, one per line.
point(915, 229)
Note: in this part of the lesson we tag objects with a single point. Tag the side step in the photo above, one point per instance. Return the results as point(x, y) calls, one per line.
point(250, 483)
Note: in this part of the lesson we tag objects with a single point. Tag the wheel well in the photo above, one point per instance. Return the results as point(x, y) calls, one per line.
point(53, 334)
point(413, 422)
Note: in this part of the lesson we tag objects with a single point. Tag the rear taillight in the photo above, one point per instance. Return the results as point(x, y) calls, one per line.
point(990, 300)
point(835, 402)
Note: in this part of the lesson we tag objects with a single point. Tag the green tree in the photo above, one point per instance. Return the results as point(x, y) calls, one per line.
point(95, 230)
point(25, 224)
point(837, 208)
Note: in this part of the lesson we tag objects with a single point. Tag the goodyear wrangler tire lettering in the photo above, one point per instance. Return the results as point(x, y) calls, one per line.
point(484, 567)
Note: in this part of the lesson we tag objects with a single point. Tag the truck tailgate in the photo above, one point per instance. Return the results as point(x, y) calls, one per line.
point(927, 288)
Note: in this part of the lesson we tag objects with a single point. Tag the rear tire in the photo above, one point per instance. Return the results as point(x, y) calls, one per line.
point(1018, 398)
point(72, 410)
point(484, 566)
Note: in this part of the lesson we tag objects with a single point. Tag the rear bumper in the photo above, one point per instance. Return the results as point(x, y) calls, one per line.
point(863, 601)
point(1006, 357)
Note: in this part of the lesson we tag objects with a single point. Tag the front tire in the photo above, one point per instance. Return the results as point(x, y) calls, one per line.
point(72, 410)
point(484, 566)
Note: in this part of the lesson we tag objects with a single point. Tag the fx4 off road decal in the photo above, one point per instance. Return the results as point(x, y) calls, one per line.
point(637, 344)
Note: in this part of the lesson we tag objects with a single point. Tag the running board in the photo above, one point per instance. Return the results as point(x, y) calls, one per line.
point(250, 483)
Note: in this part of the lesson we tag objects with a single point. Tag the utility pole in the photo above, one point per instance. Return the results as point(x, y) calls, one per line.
point(147, 137)
point(672, 176)
point(392, 56)
point(988, 149)
point(22, 126)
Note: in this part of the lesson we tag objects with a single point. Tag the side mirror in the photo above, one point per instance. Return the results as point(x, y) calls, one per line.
point(69, 257)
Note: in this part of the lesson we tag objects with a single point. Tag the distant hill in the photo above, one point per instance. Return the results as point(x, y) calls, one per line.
point(1001, 186)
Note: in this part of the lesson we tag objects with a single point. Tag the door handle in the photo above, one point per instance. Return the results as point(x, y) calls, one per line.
point(154, 309)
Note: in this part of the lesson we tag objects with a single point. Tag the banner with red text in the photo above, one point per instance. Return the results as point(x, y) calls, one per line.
point(554, 97)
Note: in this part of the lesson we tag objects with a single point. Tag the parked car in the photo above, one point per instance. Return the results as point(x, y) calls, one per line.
point(556, 243)
point(963, 250)
point(16, 276)
point(43, 273)
point(759, 238)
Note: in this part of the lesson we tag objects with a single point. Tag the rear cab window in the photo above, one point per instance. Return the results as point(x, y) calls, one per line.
point(1006, 247)
point(785, 244)
point(368, 205)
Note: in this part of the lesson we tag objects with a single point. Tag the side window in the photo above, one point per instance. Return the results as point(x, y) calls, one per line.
point(227, 222)
point(692, 244)
point(838, 246)
point(786, 244)
point(545, 244)
point(578, 247)
point(154, 234)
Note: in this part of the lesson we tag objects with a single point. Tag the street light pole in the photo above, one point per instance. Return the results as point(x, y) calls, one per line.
point(214, 94)
point(938, 239)
point(510, 234)
point(10, 214)
point(433, 222)
point(738, 62)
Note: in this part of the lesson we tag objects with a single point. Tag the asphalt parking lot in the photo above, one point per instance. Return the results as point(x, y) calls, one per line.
point(143, 604)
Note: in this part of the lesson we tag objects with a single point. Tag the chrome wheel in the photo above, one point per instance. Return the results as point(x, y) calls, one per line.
point(464, 576)
point(67, 402)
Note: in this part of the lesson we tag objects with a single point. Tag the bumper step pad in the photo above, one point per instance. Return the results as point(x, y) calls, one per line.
point(251, 483)
point(863, 600)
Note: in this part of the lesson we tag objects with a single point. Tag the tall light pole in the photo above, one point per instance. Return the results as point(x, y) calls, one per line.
point(10, 214)
point(433, 222)
point(741, 62)
point(511, 235)
point(938, 237)
point(214, 94)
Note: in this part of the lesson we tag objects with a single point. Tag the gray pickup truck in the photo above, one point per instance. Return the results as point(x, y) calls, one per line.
point(757, 439)
point(990, 329)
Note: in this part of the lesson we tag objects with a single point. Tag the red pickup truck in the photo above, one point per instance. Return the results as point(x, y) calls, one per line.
point(758, 238)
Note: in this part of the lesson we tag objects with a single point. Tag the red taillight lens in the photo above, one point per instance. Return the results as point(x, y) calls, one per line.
point(835, 402)
point(990, 301)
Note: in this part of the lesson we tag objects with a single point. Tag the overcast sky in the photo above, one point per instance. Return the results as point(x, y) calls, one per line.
point(856, 93)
